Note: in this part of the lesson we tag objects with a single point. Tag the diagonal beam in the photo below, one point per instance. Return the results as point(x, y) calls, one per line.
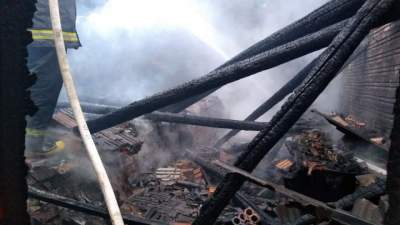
point(271, 102)
point(234, 72)
point(328, 14)
point(288, 88)
point(327, 66)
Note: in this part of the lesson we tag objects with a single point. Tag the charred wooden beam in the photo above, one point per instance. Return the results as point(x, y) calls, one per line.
point(271, 102)
point(83, 207)
point(205, 121)
point(179, 118)
point(327, 66)
point(218, 78)
point(328, 14)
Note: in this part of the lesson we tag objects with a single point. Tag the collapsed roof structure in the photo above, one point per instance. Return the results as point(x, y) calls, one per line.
point(361, 40)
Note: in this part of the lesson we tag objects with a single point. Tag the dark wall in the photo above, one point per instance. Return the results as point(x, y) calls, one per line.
point(371, 80)
point(370, 93)
point(16, 16)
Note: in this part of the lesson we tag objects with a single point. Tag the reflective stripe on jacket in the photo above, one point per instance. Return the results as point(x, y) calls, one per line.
point(42, 32)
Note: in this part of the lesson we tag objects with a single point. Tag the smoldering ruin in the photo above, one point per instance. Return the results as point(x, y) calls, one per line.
point(326, 149)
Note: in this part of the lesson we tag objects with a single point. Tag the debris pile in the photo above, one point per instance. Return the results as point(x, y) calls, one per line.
point(310, 172)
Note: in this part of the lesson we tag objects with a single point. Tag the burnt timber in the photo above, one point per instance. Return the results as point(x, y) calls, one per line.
point(182, 118)
point(204, 121)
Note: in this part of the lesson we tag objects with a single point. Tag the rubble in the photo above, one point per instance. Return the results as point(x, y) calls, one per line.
point(317, 181)
point(312, 180)
point(175, 193)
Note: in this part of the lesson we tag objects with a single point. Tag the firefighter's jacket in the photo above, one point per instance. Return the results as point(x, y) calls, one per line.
point(42, 33)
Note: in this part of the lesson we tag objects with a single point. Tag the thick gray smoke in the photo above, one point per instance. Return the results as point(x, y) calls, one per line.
point(134, 48)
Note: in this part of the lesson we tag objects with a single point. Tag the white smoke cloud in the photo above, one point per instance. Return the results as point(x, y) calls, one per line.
point(135, 48)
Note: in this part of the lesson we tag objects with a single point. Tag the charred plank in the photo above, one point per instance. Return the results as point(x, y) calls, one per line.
point(83, 207)
point(205, 121)
point(179, 118)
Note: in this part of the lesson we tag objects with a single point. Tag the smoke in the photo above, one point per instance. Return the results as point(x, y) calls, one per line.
point(133, 49)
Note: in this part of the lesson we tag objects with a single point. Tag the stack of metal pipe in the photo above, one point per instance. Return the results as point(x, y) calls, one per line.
point(246, 217)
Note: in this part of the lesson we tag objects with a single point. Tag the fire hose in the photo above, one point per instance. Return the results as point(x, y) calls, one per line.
point(94, 156)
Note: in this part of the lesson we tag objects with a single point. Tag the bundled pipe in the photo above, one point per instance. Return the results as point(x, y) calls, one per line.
point(94, 157)
point(328, 14)
point(205, 121)
point(246, 217)
point(81, 206)
point(327, 66)
point(218, 78)
point(261, 217)
point(271, 102)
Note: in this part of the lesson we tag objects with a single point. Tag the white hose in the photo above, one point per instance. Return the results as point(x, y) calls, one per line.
point(98, 166)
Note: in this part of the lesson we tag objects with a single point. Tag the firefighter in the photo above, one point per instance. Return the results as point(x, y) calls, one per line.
point(42, 61)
